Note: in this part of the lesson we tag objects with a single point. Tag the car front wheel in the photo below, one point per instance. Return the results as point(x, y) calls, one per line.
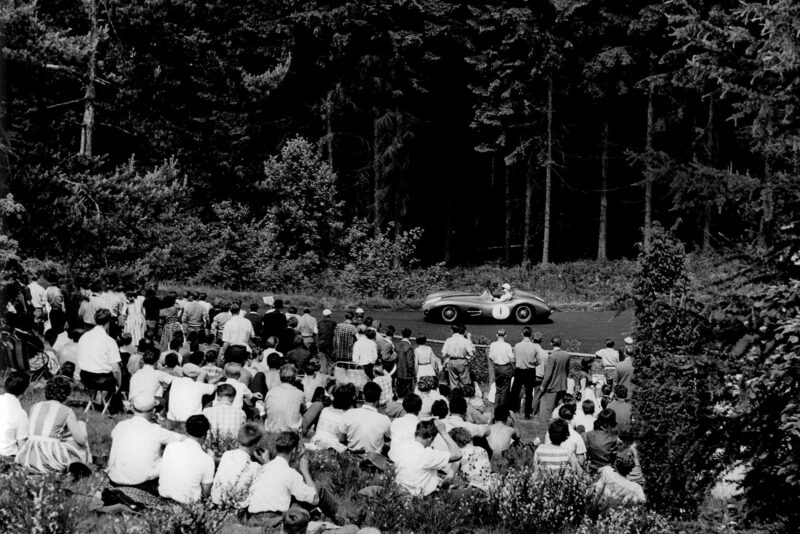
point(523, 314)
point(449, 314)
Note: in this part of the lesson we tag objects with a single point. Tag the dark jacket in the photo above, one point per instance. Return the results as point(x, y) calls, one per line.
point(555, 372)
point(273, 323)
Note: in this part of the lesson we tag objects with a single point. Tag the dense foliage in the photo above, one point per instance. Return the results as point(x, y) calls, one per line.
point(580, 120)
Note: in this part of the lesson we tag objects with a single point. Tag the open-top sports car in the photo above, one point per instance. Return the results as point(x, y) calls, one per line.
point(460, 306)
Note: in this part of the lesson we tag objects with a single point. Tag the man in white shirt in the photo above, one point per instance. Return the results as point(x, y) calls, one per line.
point(187, 471)
point(136, 443)
point(610, 358)
point(307, 325)
point(457, 351)
point(98, 356)
point(417, 464)
point(224, 418)
point(527, 356)
point(365, 350)
point(278, 485)
point(38, 300)
point(458, 419)
point(13, 419)
point(506, 295)
point(502, 356)
point(238, 468)
point(285, 403)
point(403, 428)
point(148, 381)
point(236, 331)
point(365, 427)
point(186, 398)
point(586, 418)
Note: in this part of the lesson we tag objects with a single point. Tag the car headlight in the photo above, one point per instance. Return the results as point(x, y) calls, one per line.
point(431, 301)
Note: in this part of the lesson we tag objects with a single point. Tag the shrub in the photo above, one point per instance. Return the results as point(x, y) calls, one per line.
point(627, 520)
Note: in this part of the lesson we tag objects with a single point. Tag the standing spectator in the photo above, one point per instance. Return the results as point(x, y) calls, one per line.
point(255, 318)
point(187, 472)
point(307, 325)
point(186, 398)
point(236, 331)
point(540, 367)
point(201, 298)
point(325, 329)
point(365, 350)
point(13, 419)
point(219, 320)
point(385, 344)
point(285, 403)
point(406, 362)
point(527, 356)
point(344, 337)
point(171, 315)
point(456, 353)
point(152, 308)
point(554, 383)
point(610, 359)
point(38, 301)
point(224, 418)
point(135, 323)
point(425, 361)
point(274, 320)
point(365, 427)
point(287, 336)
point(417, 464)
point(502, 356)
point(384, 380)
point(194, 314)
point(623, 374)
point(621, 405)
point(136, 443)
point(98, 356)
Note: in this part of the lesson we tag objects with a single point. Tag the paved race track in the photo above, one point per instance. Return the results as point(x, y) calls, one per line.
point(590, 329)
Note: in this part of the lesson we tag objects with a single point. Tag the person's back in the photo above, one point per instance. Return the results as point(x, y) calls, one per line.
point(284, 403)
point(621, 405)
point(365, 427)
point(13, 419)
point(624, 374)
point(237, 470)
point(501, 434)
point(186, 398)
point(559, 360)
point(326, 327)
point(187, 472)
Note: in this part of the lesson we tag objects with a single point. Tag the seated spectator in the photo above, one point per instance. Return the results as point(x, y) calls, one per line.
point(501, 434)
point(98, 356)
point(277, 485)
point(628, 446)
point(174, 346)
point(299, 355)
point(366, 429)
point(394, 408)
point(55, 436)
point(567, 399)
point(212, 371)
point(171, 365)
point(330, 432)
point(136, 443)
point(224, 418)
point(574, 443)
point(312, 380)
point(149, 381)
point(621, 405)
point(458, 419)
point(274, 363)
point(68, 352)
point(584, 422)
point(193, 366)
point(601, 443)
point(550, 457)
point(319, 401)
point(186, 398)
point(404, 428)
point(232, 373)
point(474, 466)
point(284, 403)
point(417, 464)
point(384, 380)
point(607, 396)
point(187, 471)
point(614, 486)
point(238, 468)
point(476, 408)
point(439, 410)
point(13, 419)
point(427, 389)
point(295, 521)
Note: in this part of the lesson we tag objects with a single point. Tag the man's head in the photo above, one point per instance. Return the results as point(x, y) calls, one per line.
point(439, 409)
point(501, 334)
point(271, 342)
point(295, 520)
point(371, 334)
point(125, 339)
point(621, 392)
point(462, 329)
point(588, 407)
point(556, 341)
point(292, 322)
point(249, 434)
point(102, 317)
point(344, 396)
point(527, 331)
point(143, 404)
point(606, 420)
point(458, 406)
point(273, 360)
point(412, 404)
point(76, 333)
point(425, 432)
point(538, 337)
point(406, 333)
point(610, 343)
point(151, 356)
point(286, 443)
point(288, 373)
point(506, 287)
point(567, 412)
point(197, 426)
point(361, 329)
point(390, 331)
point(236, 354)
point(606, 390)
point(558, 431)
point(461, 436)
point(202, 296)
point(326, 312)
point(348, 315)
point(171, 360)
point(226, 393)
point(254, 307)
point(501, 414)
point(454, 329)
point(372, 393)
point(235, 309)
point(233, 370)
point(211, 357)
point(176, 343)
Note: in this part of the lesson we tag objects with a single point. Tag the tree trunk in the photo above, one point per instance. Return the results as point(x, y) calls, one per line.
point(448, 224)
point(329, 126)
point(648, 179)
point(767, 207)
point(377, 193)
point(548, 174)
point(528, 234)
point(507, 199)
point(602, 252)
point(87, 127)
point(711, 156)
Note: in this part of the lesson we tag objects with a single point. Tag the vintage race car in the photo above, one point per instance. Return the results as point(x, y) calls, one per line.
point(461, 306)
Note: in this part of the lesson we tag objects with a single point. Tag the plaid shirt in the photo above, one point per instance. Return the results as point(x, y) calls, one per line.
point(385, 382)
point(213, 373)
point(225, 419)
point(344, 336)
point(283, 404)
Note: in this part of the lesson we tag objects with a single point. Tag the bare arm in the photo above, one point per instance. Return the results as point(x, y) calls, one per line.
point(452, 448)
point(304, 470)
point(77, 429)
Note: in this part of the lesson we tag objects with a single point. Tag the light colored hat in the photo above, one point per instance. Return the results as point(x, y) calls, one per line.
point(269, 301)
point(326, 312)
point(506, 286)
point(143, 403)
point(628, 340)
point(191, 370)
point(359, 310)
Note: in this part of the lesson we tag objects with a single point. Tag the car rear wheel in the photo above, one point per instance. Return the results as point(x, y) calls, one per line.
point(523, 314)
point(449, 314)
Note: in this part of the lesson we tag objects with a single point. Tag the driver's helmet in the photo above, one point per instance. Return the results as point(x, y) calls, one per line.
point(506, 287)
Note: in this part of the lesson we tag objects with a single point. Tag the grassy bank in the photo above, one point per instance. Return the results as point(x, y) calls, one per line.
point(580, 285)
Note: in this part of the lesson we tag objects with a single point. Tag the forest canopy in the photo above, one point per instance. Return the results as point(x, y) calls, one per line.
point(186, 137)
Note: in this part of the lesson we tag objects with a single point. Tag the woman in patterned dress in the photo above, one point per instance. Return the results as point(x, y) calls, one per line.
point(171, 315)
point(474, 465)
point(57, 439)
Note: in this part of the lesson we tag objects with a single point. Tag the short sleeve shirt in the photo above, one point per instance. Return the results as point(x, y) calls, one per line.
point(184, 467)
